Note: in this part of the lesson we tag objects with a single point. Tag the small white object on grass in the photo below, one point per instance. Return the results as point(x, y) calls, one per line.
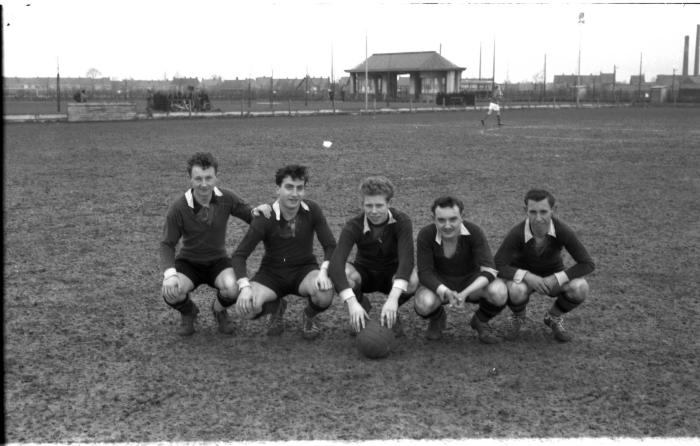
point(327, 144)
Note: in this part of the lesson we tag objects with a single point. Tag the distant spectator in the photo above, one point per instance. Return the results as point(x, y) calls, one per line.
point(80, 96)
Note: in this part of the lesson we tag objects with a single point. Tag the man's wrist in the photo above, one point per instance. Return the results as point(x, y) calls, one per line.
point(347, 294)
point(243, 282)
point(170, 272)
point(519, 275)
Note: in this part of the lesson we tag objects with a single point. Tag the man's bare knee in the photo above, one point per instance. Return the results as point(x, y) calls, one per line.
point(322, 298)
point(577, 290)
point(425, 301)
point(517, 292)
point(497, 292)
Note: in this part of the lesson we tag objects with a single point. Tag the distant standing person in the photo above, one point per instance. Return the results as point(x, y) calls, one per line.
point(198, 219)
point(494, 105)
point(455, 265)
point(383, 260)
point(289, 265)
point(530, 260)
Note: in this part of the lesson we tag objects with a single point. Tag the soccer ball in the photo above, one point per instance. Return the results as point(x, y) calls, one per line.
point(375, 341)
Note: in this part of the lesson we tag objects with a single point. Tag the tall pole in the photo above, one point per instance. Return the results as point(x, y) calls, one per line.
point(673, 86)
point(272, 88)
point(614, 81)
point(544, 78)
point(639, 80)
point(479, 60)
point(493, 68)
point(58, 87)
point(306, 88)
point(332, 95)
point(578, 70)
point(366, 76)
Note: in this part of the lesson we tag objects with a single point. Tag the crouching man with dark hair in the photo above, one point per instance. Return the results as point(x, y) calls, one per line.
point(530, 260)
point(288, 265)
point(455, 265)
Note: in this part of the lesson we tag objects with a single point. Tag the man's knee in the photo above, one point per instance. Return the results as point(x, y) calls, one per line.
point(497, 292)
point(425, 301)
point(322, 298)
point(175, 301)
point(518, 293)
point(577, 290)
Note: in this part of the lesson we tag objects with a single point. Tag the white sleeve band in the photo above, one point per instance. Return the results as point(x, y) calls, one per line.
point(346, 294)
point(243, 282)
point(441, 291)
point(169, 273)
point(324, 265)
point(519, 275)
point(562, 278)
point(401, 284)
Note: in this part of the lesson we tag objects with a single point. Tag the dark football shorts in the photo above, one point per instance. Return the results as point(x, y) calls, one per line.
point(283, 280)
point(200, 273)
point(458, 283)
point(375, 280)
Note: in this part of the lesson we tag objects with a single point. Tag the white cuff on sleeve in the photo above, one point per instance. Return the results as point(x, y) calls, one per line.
point(243, 282)
point(324, 265)
point(346, 294)
point(519, 275)
point(169, 273)
point(562, 278)
point(441, 291)
point(401, 284)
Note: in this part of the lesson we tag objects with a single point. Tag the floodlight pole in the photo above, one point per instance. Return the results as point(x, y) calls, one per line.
point(544, 78)
point(673, 85)
point(493, 67)
point(58, 87)
point(578, 70)
point(613, 85)
point(479, 60)
point(639, 80)
point(366, 77)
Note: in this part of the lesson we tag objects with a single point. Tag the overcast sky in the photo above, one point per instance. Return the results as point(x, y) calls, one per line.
point(154, 39)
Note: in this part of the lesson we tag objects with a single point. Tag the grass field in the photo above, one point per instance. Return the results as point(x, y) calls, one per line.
point(91, 353)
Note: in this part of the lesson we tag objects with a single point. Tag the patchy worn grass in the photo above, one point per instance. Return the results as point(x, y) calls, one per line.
point(90, 348)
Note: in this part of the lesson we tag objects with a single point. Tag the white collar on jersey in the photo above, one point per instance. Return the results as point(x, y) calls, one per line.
point(190, 198)
point(528, 231)
point(366, 229)
point(462, 231)
point(278, 212)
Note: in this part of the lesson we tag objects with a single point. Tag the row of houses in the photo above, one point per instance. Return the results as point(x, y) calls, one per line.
point(418, 76)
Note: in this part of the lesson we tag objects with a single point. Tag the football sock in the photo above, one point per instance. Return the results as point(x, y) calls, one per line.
point(487, 310)
point(312, 309)
point(184, 307)
point(435, 314)
point(225, 302)
point(268, 308)
point(518, 308)
point(562, 305)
